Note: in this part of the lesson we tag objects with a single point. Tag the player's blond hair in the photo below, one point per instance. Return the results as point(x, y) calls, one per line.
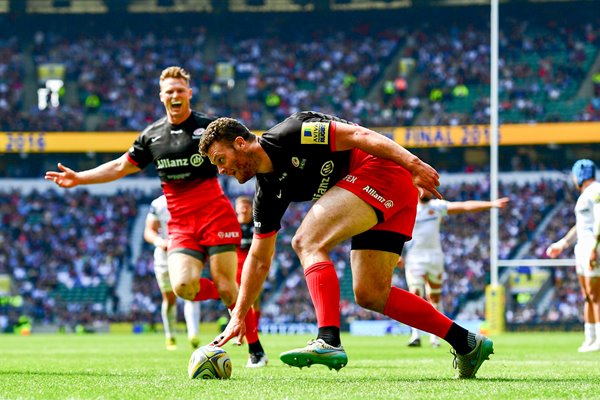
point(176, 73)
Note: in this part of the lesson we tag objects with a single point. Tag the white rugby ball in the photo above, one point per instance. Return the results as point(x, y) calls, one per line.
point(209, 362)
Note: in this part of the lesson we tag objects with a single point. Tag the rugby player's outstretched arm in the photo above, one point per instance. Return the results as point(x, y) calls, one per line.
point(349, 137)
point(255, 271)
point(107, 172)
point(459, 207)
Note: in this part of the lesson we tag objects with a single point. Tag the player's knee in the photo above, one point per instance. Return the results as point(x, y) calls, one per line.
point(592, 298)
point(299, 243)
point(369, 299)
point(186, 290)
point(170, 300)
point(434, 294)
point(304, 244)
point(417, 290)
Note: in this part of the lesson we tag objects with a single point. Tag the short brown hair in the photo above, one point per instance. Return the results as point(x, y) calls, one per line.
point(176, 73)
point(223, 130)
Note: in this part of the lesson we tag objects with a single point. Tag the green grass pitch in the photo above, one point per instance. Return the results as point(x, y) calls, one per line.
point(127, 366)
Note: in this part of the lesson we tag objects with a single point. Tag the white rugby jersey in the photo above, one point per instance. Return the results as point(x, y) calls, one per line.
point(158, 210)
point(587, 212)
point(426, 233)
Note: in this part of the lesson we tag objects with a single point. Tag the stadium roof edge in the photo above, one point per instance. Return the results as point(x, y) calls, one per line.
point(78, 7)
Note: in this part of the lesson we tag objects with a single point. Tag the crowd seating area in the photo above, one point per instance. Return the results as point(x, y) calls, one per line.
point(465, 239)
point(592, 110)
point(113, 73)
point(565, 301)
point(12, 78)
point(327, 68)
point(439, 71)
point(64, 252)
point(542, 64)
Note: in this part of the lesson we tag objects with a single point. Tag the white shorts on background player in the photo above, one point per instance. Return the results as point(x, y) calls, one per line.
point(587, 213)
point(421, 268)
point(161, 270)
point(583, 249)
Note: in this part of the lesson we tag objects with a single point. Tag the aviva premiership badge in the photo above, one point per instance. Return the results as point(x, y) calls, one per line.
point(315, 133)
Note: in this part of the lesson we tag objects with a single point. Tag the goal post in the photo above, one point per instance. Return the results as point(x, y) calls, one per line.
point(495, 293)
point(495, 309)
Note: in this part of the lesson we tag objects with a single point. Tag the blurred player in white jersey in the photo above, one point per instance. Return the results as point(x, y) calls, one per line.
point(156, 233)
point(586, 235)
point(423, 257)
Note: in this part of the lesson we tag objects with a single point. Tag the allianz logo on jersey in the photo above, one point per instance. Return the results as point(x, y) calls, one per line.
point(195, 161)
point(373, 193)
point(228, 235)
point(326, 170)
point(323, 187)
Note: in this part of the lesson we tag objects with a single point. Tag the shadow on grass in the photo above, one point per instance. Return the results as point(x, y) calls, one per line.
point(525, 379)
point(128, 374)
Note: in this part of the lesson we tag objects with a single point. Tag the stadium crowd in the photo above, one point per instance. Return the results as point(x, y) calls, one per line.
point(52, 244)
point(542, 63)
point(439, 71)
point(465, 241)
point(564, 301)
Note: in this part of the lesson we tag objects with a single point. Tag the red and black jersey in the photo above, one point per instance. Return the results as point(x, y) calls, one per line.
point(188, 179)
point(305, 166)
point(174, 149)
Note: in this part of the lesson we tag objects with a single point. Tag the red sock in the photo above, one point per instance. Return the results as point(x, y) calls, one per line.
point(324, 288)
point(414, 311)
point(208, 291)
point(251, 328)
point(257, 316)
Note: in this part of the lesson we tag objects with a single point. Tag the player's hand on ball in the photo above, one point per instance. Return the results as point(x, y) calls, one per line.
point(235, 328)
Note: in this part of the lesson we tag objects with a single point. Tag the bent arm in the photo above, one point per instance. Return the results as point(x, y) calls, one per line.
point(107, 172)
point(559, 246)
point(570, 238)
point(349, 137)
point(151, 232)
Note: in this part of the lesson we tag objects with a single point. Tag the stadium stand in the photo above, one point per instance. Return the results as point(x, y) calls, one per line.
point(87, 277)
point(464, 238)
point(386, 69)
point(65, 254)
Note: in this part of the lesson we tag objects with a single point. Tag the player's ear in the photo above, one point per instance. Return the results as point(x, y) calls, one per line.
point(239, 143)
